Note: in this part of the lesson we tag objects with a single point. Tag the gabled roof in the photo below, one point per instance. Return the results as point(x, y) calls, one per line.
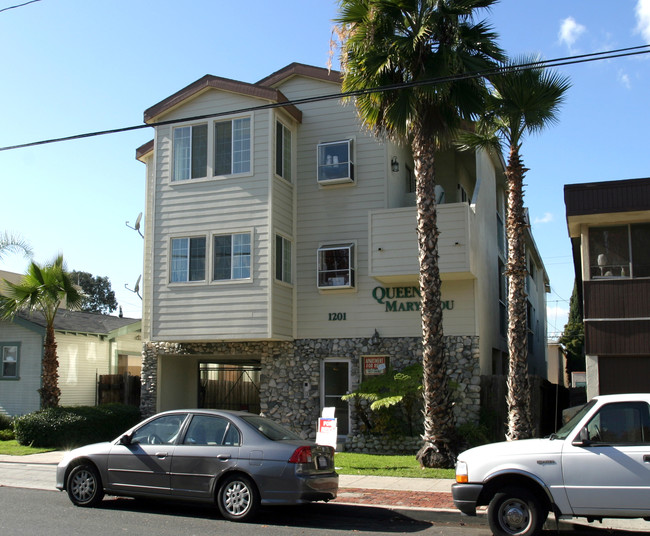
point(301, 69)
point(81, 322)
point(224, 84)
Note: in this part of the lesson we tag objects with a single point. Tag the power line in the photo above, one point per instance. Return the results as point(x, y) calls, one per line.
point(19, 5)
point(568, 60)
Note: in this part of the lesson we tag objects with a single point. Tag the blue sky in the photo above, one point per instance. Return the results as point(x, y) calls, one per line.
point(71, 67)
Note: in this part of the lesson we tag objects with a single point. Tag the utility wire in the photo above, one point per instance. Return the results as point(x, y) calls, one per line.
point(569, 60)
point(19, 5)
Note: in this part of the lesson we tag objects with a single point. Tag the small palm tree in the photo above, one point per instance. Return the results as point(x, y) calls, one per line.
point(44, 289)
point(10, 243)
point(524, 100)
point(412, 42)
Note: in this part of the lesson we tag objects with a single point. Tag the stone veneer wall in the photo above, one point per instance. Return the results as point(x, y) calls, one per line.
point(290, 375)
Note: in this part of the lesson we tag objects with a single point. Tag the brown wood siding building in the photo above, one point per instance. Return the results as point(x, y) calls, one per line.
point(616, 310)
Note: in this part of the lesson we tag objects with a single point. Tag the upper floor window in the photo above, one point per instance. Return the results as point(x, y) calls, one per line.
point(620, 251)
point(232, 146)
point(335, 162)
point(232, 256)
point(282, 259)
point(282, 151)
point(336, 266)
point(188, 259)
point(9, 361)
point(190, 152)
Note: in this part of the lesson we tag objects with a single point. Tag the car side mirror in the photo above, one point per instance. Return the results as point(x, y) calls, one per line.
point(125, 439)
point(582, 440)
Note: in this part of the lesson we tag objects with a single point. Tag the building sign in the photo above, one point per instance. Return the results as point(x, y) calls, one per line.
point(400, 299)
point(374, 365)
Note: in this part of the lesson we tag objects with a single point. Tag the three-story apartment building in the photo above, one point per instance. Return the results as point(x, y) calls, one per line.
point(281, 263)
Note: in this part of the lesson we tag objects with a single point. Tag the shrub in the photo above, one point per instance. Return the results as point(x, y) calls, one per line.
point(6, 422)
point(67, 427)
point(6, 435)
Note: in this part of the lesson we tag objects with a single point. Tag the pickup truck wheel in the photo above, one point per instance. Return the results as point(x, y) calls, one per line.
point(515, 512)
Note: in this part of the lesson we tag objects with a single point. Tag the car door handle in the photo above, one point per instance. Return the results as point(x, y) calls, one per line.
point(223, 457)
point(646, 458)
point(161, 455)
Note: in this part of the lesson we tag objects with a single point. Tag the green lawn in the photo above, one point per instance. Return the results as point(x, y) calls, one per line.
point(12, 448)
point(347, 463)
point(351, 463)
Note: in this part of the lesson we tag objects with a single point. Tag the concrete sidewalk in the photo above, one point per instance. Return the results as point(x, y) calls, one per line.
point(38, 471)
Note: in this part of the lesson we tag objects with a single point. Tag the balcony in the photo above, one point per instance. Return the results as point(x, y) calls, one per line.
point(393, 255)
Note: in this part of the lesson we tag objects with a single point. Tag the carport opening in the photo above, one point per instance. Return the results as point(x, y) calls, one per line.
point(230, 386)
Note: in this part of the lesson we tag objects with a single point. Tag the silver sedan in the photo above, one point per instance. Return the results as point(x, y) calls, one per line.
point(237, 459)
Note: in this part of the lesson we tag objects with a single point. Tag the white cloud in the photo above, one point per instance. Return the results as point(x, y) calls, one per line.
point(624, 79)
point(643, 19)
point(546, 218)
point(570, 30)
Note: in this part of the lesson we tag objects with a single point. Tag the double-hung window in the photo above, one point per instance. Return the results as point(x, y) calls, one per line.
point(232, 256)
point(282, 151)
point(232, 146)
point(9, 360)
point(335, 162)
point(190, 152)
point(620, 250)
point(188, 259)
point(282, 259)
point(336, 266)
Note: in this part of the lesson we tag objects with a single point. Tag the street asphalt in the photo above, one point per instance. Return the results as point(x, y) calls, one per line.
point(37, 471)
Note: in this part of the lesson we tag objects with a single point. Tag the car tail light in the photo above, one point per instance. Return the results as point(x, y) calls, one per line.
point(301, 455)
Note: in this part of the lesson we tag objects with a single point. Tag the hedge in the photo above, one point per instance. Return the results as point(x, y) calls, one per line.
point(67, 427)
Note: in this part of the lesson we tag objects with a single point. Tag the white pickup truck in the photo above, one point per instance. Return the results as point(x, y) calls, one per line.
point(597, 466)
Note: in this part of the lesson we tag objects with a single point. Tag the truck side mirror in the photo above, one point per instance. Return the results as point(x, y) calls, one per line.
point(582, 440)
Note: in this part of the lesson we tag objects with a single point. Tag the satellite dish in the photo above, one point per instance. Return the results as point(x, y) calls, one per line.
point(137, 285)
point(136, 227)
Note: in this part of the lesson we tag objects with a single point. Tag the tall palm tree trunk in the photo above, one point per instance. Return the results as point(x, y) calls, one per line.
point(49, 391)
point(438, 415)
point(518, 398)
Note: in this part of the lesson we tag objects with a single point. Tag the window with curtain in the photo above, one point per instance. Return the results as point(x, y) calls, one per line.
point(190, 152)
point(188, 259)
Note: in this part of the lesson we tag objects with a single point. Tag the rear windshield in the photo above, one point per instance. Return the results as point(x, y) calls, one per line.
point(269, 428)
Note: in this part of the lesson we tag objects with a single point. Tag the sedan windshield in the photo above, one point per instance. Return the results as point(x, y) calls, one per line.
point(269, 428)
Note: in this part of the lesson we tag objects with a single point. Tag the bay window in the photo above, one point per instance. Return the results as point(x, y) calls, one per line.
point(336, 266)
point(190, 152)
point(188, 259)
point(232, 256)
point(232, 146)
point(282, 151)
point(282, 259)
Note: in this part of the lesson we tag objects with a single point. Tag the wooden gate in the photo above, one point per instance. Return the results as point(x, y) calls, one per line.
point(122, 388)
point(229, 386)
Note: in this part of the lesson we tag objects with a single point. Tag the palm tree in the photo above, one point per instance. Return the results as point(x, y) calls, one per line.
point(410, 43)
point(10, 243)
point(525, 99)
point(44, 289)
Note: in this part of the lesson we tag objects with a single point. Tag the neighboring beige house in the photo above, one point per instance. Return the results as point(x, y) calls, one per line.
point(557, 373)
point(88, 345)
point(281, 254)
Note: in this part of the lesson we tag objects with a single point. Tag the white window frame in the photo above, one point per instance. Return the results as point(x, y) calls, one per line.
point(329, 163)
point(234, 162)
point(5, 357)
point(176, 146)
point(188, 267)
point(233, 268)
point(283, 144)
point(339, 279)
point(286, 261)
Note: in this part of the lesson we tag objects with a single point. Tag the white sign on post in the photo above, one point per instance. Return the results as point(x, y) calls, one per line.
point(326, 433)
